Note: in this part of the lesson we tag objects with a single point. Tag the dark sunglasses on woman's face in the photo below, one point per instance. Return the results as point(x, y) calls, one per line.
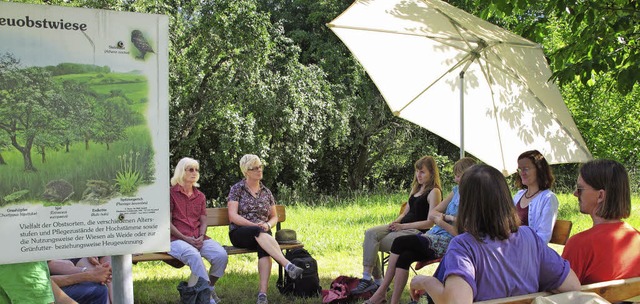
point(255, 168)
point(192, 170)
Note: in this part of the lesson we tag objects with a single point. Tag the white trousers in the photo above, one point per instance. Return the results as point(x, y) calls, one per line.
point(190, 256)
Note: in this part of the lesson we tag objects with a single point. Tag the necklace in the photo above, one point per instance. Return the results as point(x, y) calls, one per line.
point(532, 195)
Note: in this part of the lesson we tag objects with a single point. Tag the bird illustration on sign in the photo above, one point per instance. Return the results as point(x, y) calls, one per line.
point(141, 44)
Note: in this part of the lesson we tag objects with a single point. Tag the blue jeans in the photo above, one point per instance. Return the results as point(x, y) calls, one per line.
point(88, 293)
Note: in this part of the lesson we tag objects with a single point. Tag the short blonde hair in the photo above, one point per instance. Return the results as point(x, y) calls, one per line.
point(247, 161)
point(182, 166)
point(463, 164)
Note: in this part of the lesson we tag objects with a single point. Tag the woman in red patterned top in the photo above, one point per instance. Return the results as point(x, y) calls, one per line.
point(189, 242)
point(252, 213)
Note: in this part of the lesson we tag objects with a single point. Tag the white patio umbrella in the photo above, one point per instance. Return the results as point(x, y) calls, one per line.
point(474, 84)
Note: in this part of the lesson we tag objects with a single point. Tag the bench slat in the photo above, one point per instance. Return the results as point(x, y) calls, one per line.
point(218, 217)
point(613, 291)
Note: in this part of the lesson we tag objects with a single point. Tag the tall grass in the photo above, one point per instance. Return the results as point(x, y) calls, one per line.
point(332, 232)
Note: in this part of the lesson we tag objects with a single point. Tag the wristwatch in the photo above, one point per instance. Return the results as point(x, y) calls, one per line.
point(268, 225)
point(84, 269)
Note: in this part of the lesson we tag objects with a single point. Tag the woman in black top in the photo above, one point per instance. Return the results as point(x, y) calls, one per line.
point(425, 195)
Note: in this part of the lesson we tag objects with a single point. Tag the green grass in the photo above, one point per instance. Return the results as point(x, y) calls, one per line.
point(332, 233)
point(79, 164)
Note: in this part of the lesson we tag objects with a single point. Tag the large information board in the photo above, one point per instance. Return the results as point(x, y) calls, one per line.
point(84, 132)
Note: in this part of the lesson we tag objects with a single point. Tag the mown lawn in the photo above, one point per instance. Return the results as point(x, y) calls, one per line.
point(333, 235)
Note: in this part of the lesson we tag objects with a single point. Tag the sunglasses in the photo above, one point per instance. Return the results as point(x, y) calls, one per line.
point(255, 168)
point(191, 170)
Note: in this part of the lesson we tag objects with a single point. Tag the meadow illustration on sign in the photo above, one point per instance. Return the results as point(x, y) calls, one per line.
point(72, 133)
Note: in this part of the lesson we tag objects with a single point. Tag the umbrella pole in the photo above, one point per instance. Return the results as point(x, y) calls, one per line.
point(462, 114)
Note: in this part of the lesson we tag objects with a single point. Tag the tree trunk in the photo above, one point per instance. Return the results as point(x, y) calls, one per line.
point(359, 168)
point(2, 162)
point(86, 143)
point(66, 146)
point(43, 152)
point(26, 152)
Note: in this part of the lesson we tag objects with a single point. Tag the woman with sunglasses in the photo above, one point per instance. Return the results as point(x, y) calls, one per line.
point(536, 204)
point(189, 242)
point(480, 263)
point(252, 214)
point(610, 249)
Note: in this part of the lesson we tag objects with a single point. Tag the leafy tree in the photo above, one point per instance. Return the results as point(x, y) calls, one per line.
point(28, 105)
point(112, 116)
point(80, 111)
point(602, 35)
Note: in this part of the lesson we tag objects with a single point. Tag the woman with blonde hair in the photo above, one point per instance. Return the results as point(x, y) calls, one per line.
point(252, 214)
point(189, 241)
point(424, 196)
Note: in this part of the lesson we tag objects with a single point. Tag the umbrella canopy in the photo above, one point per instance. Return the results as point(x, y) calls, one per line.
point(472, 83)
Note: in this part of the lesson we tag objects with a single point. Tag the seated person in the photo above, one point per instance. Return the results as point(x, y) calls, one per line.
point(189, 240)
point(84, 284)
point(252, 214)
point(610, 249)
point(431, 245)
point(424, 196)
point(536, 204)
point(485, 260)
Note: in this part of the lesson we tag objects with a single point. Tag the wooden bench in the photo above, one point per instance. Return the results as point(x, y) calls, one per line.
point(219, 217)
point(612, 291)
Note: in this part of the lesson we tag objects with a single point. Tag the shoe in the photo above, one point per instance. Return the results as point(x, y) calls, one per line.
point(365, 286)
point(262, 299)
point(371, 302)
point(214, 297)
point(295, 272)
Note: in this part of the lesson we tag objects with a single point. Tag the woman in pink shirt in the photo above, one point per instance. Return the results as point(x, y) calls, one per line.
point(189, 242)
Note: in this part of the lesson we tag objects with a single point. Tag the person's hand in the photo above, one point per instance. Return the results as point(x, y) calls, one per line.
point(264, 226)
point(435, 215)
point(100, 274)
point(199, 242)
point(93, 261)
point(417, 287)
point(193, 242)
point(396, 226)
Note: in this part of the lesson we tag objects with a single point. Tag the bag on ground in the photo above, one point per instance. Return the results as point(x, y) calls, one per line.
point(196, 294)
point(308, 285)
point(340, 291)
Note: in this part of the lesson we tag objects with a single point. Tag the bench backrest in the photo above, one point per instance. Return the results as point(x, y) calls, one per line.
point(220, 216)
point(561, 232)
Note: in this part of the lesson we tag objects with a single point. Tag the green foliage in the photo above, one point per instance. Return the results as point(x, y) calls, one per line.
point(128, 177)
point(601, 35)
point(15, 196)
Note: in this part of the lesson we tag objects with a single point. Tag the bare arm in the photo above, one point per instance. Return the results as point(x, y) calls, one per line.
point(455, 290)
point(98, 274)
point(570, 283)
point(59, 295)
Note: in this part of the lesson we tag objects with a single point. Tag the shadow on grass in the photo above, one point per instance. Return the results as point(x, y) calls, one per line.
point(237, 286)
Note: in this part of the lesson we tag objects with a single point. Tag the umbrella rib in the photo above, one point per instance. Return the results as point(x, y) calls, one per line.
point(437, 38)
point(523, 83)
point(455, 66)
point(487, 77)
